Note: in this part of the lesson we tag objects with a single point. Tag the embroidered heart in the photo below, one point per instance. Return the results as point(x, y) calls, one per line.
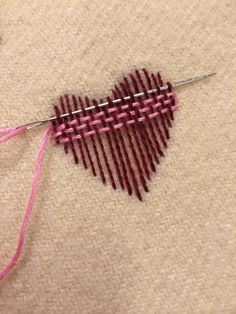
point(123, 140)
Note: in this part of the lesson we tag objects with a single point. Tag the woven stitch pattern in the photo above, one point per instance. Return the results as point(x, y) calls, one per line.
point(122, 142)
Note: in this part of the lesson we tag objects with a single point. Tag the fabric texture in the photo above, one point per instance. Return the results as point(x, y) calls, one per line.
point(90, 249)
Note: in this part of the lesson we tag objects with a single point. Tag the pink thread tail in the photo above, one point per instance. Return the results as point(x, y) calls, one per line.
point(28, 211)
point(10, 133)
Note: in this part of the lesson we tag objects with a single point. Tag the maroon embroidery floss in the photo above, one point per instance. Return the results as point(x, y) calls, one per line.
point(135, 130)
point(122, 140)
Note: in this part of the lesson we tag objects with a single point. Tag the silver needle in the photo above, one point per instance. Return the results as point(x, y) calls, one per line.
point(117, 101)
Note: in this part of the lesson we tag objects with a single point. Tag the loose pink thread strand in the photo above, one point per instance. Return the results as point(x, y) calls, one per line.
point(10, 134)
point(6, 130)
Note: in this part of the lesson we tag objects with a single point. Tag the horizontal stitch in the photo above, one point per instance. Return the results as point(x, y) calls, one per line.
point(102, 130)
point(111, 110)
point(80, 127)
point(57, 134)
point(110, 119)
point(116, 126)
point(165, 110)
point(144, 109)
point(70, 130)
point(124, 107)
point(154, 114)
point(61, 127)
point(73, 122)
point(157, 105)
point(99, 114)
point(122, 115)
point(130, 122)
point(141, 119)
point(95, 122)
point(84, 119)
point(147, 101)
point(90, 133)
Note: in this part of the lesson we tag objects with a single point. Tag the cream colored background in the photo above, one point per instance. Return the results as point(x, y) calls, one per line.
point(90, 249)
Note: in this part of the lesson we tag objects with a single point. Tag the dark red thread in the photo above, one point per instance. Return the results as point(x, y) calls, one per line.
point(118, 137)
point(153, 134)
point(136, 129)
point(60, 121)
point(140, 170)
point(142, 119)
point(98, 137)
point(102, 149)
point(163, 119)
point(123, 93)
point(71, 143)
point(54, 127)
point(84, 139)
point(143, 116)
point(93, 143)
point(171, 98)
point(76, 132)
point(168, 120)
point(155, 122)
point(113, 154)
point(126, 154)
point(145, 138)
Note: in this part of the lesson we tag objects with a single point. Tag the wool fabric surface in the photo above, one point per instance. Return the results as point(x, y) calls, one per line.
point(90, 249)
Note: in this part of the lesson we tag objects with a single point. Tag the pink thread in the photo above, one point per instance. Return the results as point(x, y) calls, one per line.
point(10, 133)
point(110, 119)
point(124, 107)
point(116, 126)
point(139, 127)
point(29, 208)
point(6, 130)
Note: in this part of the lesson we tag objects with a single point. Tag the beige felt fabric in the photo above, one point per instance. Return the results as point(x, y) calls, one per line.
point(90, 249)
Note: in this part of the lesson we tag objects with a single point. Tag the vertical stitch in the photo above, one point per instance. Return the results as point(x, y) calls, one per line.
point(113, 155)
point(143, 131)
point(60, 121)
point(145, 138)
point(102, 146)
point(162, 116)
point(76, 132)
point(93, 143)
point(84, 141)
point(142, 179)
point(153, 134)
point(163, 100)
point(115, 134)
point(71, 143)
point(156, 122)
point(126, 153)
point(158, 146)
point(172, 99)
point(54, 126)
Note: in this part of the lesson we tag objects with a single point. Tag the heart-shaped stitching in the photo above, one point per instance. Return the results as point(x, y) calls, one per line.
point(121, 142)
